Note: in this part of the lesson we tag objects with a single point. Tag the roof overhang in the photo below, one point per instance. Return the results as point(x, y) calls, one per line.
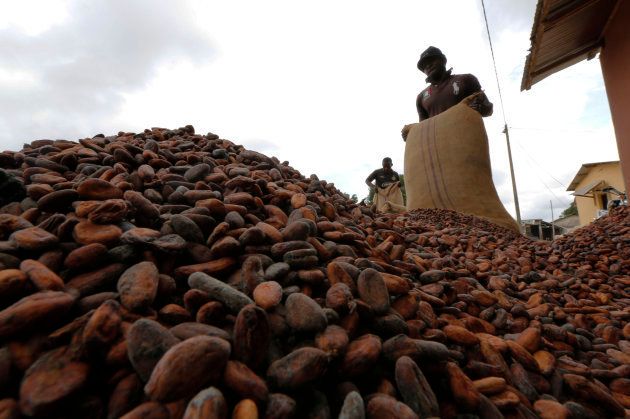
point(584, 169)
point(586, 190)
point(565, 32)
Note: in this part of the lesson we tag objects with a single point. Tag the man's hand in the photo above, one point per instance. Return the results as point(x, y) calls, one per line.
point(481, 104)
point(405, 132)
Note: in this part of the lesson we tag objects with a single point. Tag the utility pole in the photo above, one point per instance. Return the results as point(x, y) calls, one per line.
point(553, 228)
point(509, 149)
point(505, 126)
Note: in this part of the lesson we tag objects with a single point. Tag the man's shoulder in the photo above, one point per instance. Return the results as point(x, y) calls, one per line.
point(466, 76)
point(423, 92)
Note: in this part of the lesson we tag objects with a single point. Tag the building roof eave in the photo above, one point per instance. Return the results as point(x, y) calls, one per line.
point(565, 32)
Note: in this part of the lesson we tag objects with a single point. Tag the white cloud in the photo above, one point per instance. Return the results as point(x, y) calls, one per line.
point(326, 86)
point(33, 17)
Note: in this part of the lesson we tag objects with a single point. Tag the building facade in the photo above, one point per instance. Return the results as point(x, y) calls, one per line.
point(591, 187)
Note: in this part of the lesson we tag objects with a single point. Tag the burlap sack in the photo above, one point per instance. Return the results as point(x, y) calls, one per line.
point(447, 165)
point(389, 199)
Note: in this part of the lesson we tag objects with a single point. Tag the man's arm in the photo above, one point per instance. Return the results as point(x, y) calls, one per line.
point(369, 179)
point(422, 113)
point(481, 103)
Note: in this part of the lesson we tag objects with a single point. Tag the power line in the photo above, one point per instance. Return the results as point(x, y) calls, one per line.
point(573, 131)
point(558, 199)
point(540, 166)
point(494, 63)
point(505, 125)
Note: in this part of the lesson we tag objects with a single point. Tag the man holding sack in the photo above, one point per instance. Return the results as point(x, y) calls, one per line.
point(387, 194)
point(447, 158)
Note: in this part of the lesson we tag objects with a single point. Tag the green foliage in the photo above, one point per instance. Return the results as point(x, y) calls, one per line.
point(572, 210)
point(370, 198)
point(402, 189)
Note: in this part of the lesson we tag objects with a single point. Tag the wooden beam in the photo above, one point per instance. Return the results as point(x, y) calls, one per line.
point(562, 16)
point(613, 12)
point(537, 31)
point(567, 57)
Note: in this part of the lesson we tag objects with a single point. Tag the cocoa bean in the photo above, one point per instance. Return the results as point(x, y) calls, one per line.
point(86, 232)
point(268, 294)
point(251, 330)
point(187, 330)
point(386, 407)
point(334, 341)
point(463, 389)
point(298, 368)
point(244, 382)
point(51, 380)
point(208, 403)
point(34, 311)
point(151, 410)
point(85, 256)
point(222, 227)
point(147, 341)
point(98, 189)
point(361, 355)
point(103, 327)
point(231, 298)
point(125, 396)
point(33, 238)
point(138, 286)
point(187, 367)
point(372, 289)
point(13, 283)
point(304, 314)
point(414, 388)
point(245, 409)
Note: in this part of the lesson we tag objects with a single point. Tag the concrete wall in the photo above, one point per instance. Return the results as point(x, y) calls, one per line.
point(615, 61)
point(587, 207)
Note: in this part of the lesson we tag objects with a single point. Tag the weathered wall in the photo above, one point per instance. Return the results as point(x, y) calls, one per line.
point(615, 61)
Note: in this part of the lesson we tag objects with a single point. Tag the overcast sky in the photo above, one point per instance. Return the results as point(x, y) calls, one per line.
point(326, 85)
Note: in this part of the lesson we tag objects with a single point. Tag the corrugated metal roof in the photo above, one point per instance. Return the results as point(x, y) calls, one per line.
point(565, 32)
point(584, 169)
point(584, 191)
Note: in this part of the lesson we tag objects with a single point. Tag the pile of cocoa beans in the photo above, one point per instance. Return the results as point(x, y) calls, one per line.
point(167, 274)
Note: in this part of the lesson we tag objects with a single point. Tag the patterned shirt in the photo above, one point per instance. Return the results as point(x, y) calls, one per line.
point(383, 178)
point(437, 98)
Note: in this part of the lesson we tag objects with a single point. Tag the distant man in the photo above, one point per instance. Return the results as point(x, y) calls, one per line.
point(445, 90)
point(387, 193)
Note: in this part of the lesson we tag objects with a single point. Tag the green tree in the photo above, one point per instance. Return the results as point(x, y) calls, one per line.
point(572, 210)
point(370, 198)
point(402, 189)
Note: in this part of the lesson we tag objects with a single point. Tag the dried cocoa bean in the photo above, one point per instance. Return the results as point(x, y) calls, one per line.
point(186, 367)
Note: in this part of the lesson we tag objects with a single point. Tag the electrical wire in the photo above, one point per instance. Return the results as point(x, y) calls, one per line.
point(496, 74)
point(505, 125)
point(559, 200)
point(539, 166)
point(494, 62)
point(568, 131)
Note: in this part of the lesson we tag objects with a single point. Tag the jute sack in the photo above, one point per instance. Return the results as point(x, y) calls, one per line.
point(389, 199)
point(447, 165)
